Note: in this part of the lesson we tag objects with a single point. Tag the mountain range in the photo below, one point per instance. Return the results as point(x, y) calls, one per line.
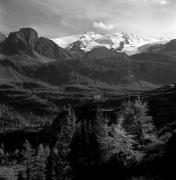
point(85, 64)
point(120, 42)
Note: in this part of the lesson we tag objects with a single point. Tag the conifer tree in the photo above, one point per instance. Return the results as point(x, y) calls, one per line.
point(101, 132)
point(40, 163)
point(121, 143)
point(100, 125)
point(84, 148)
point(29, 159)
point(143, 121)
point(118, 143)
point(51, 166)
point(63, 145)
point(137, 121)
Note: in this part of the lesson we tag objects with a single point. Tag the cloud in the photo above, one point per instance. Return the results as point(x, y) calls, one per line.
point(54, 18)
point(160, 2)
point(149, 2)
point(102, 25)
point(163, 2)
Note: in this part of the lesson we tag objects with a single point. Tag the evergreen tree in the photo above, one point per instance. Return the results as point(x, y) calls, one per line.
point(40, 163)
point(101, 133)
point(100, 124)
point(137, 121)
point(143, 121)
point(84, 148)
point(63, 145)
point(89, 146)
point(118, 143)
point(29, 159)
point(126, 117)
point(51, 166)
point(121, 143)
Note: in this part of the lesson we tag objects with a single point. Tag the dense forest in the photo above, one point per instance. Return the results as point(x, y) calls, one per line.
point(99, 146)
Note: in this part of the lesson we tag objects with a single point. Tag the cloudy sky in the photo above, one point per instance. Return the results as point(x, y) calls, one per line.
point(54, 18)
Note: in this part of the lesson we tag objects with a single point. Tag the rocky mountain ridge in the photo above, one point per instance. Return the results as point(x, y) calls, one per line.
point(26, 41)
point(24, 56)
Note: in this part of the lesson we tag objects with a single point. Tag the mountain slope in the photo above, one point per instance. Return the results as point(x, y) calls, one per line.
point(49, 49)
point(170, 48)
point(106, 57)
point(156, 68)
point(166, 47)
point(8, 73)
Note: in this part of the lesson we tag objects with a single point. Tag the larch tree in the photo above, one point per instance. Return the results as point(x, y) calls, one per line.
point(137, 121)
point(51, 168)
point(143, 121)
point(63, 146)
point(118, 143)
point(40, 163)
point(29, 160)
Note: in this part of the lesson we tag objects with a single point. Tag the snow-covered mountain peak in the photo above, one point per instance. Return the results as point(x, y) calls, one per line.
point(89, 35)
point(120, 41)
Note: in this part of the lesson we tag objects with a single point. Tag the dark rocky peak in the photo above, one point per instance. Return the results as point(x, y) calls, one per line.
point(26, 41)
point(21, 41)
point(29, 35)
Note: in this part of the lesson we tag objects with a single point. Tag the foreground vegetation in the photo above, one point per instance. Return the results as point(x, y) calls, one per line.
point(97, 147)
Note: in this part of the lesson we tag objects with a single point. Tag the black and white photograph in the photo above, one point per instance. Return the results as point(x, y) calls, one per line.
point(87, 89)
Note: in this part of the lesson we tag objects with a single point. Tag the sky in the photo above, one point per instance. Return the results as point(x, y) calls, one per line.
point(56, 18)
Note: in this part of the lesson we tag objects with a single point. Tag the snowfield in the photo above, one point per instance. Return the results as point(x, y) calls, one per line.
point(121, 42)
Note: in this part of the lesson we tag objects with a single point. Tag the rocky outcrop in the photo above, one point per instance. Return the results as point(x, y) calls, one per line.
point(26, 41)
point(22, 41)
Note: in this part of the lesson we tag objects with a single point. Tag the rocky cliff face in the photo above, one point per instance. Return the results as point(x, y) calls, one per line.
point(22, 41)
point(26, 41)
